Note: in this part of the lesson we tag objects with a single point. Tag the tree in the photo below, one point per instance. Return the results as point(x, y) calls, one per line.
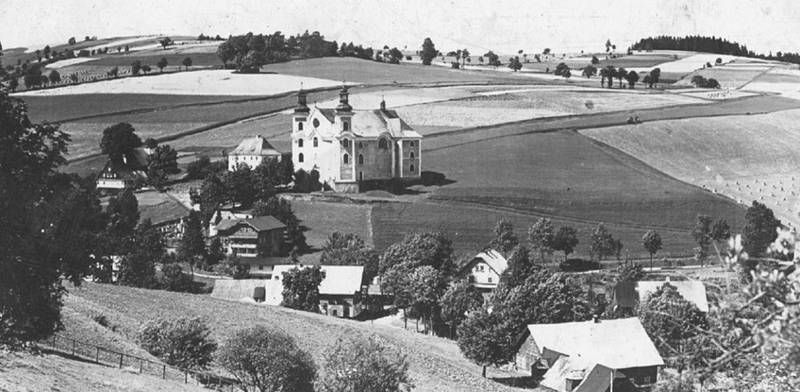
point(760, 229)
point(425, 286)
point(146, 69)
point(603, 243)
point(269, 360)
point(166, 41)
point(301, 288)
point(239, 185)
point(119, 141)
point(514, 64)
point(589, 71)
point(671, 321)
point(520, 266)
point(702, 236)
point(210, 197)
point(565, 240)
point(173, 279)
point(187, 62)
point(182, 342)
point(541, 235)
point(504, 238)
point(428, 51)
point(226, 52)
point(595, 60)
point(192, 247)
point(652, 244)
point(485, 338)
point(137, 267)
point(294, 239)
point(632, 77)
point(460, 298)
point(621, 74)
point(161, 64)
point(136, 66)
point(357, 365)
point(655, 75)
point(560, 69)
point(350, 249)
point(123, 216)
point(161, 163)
point(215, 253)
point(71, 41)
point(114, 72)
point(48, 235)
point(492, 59)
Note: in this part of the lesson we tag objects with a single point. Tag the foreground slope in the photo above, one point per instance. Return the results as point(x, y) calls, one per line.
point(436, 363)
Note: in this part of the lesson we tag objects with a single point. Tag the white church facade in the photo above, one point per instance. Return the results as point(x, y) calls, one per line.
point(348, 147)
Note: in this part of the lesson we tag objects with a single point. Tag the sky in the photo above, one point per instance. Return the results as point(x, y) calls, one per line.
point(504, 26)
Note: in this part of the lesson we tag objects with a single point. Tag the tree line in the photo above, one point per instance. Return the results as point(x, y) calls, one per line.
point(718, 45)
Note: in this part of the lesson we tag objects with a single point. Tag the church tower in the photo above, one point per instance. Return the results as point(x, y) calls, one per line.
point(344, 112)
point(300, 112)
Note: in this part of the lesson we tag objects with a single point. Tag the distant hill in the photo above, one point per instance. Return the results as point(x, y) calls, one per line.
point(716, 45)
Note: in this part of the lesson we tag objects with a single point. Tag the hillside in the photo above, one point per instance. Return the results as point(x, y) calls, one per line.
point(436, 363)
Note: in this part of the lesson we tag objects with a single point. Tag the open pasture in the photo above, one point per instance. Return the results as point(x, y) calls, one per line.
point(728, 77)
point(324, 218)
point(565, 174)
point(276, 128)
point(781, 81)
point(86, 136)
point(744, 157)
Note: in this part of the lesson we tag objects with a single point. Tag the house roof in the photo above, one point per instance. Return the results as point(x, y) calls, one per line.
point(617, 344)
point(168, 211)
point(255, 145)
point(693, 291)
point(594, 377)
point(493, 258)
point(339, 279)
point(131, 168)
point(259, 223)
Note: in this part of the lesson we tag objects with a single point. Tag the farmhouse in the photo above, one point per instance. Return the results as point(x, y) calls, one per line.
point(484, 270)
point(248, 238)
point(251, 152)
point(579, 354)
point(130, 173)
point(169, 218)
point(337, 292)
point(693, 291)
point(348, 147)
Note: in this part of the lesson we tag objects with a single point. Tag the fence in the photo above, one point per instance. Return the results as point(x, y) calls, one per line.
point(104, 356)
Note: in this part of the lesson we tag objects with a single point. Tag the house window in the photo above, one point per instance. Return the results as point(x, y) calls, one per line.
point(489, 279)
point(360, 159)
point(299, 125)
point(300, 157)
point(333, 312)
point(346, 158)
point(261, 268)
point(315, 123)
point(411, 169)
point(411, 143)
point(345, 125)
point(299, 142)
point(316, 142)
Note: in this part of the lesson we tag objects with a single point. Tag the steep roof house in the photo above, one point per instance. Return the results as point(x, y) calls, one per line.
point(337, 292)
point(348, 147)
point(580, 354)
point(131, 172)
point(251, 237)
point(251, 152)
point(484, 270)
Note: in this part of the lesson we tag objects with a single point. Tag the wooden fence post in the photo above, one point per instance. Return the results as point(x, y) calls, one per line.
point(185, 377)
point(97, 355)
point(164, 372)
point(54, 341)
point(141, 364)
point(73, 347)
point(120, 360)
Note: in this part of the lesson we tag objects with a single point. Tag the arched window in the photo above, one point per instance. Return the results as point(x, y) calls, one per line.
point(315, 123)
point(299, 125)
point(346, 143)
point(411, 169)
point(346, 158)
point(383, 144)
point(299, 142)
point(345, 125)
point(411, 144)
point(360, 159)
point(300, 157)
point(316, 142)
point(411, 155)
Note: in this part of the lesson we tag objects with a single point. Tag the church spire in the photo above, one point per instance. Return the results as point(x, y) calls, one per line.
point(302, 107)
point(344, 104)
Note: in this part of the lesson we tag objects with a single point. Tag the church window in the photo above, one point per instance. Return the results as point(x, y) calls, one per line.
point(346, 143)
point(300, 157)
point(299, 125)
point(315, 123)
point(383, 144)
point(345, 125)
point(411, 169)
point(299, 142)
point(346, 158)
point(360, 159)
point(411, 143)
point(316, 142)
point(411, 155)
point(360, 145)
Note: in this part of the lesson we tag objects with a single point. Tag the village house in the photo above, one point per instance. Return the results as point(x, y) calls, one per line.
point(130, 173)
point(579, 356)
point(251, 152)
point(347, 147)
point(252, 237)
point(484, 270)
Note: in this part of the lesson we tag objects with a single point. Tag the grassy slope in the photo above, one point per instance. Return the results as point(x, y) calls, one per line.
point(436, 364)
point(20, 372)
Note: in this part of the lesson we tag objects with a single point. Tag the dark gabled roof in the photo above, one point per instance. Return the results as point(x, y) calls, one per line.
point(259, 223)
point(329, 114)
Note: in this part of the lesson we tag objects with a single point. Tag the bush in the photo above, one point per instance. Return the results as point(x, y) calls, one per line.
point(364, 365)
point(181, 342)
point(202, 167)
point(578, 265)
point(174, 279)
point(102, 320)
point(455, 65)
point(269, 360)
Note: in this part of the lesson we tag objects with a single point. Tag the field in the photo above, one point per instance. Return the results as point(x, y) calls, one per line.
point(436, 363)
point(728, 77)
point(744, 157)
point(86, 136)
point(325, 218)
point(567, 175)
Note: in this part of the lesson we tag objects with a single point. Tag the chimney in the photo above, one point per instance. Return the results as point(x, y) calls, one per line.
point(596, 319)
point(383, 105)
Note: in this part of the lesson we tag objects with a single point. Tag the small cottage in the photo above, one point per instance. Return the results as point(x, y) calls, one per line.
point(131, 172)
point(253, 237)
point(484, 270)
point(337, 292)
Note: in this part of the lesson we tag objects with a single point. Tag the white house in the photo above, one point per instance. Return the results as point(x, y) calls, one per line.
point(484, 270)
point(251, 152)
point(349, 146)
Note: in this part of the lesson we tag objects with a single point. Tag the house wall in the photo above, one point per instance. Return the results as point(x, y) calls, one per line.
point(377, 161)
point(346, 168)
point(107, 183)
point(527, 354)
point(411, 158)
point(641, 375)
point(250, 160)
point(337, 305)
point(324, 158)
point(482, 275)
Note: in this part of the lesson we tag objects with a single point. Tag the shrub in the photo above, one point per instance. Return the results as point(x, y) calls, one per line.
point(174, 279)
point(364, 365)
point(102, 320)
point(182, 342)
point(269, 360)
point(578, 265)
point(455, 65)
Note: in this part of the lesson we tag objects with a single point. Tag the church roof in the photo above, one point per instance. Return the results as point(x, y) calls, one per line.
point(255, 145)
point(373, 123)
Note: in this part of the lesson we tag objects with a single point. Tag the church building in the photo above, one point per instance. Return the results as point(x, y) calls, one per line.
point(348, 147)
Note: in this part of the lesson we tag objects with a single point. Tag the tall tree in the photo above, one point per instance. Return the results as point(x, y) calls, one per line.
point(541, 235)
point(161, 64)
point(119, 141)
point(760, 229)
point(301, 288)
point(137, 267)
point(162, 162)
point(425, 286)
point(166, 41)
point(702, 236)
point(123, 217)
point(192, 247)
point(239, 186)
point(54, 77)
point(364, 365)
point(187, 62)
point(428, 51)
point(460, 298)
point(603, 243)
point(485, 338)
point(652, 244)
point(565, 240)
point(504, 238)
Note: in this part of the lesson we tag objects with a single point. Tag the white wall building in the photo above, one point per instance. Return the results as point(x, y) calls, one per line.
point(251, 152)
point(349, 146)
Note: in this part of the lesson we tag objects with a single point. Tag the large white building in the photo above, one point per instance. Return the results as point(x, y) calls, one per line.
point(251, 152)
point(349, 146)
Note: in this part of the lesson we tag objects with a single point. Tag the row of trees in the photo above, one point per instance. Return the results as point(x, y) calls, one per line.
point(266, 359)
point(709, 45)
